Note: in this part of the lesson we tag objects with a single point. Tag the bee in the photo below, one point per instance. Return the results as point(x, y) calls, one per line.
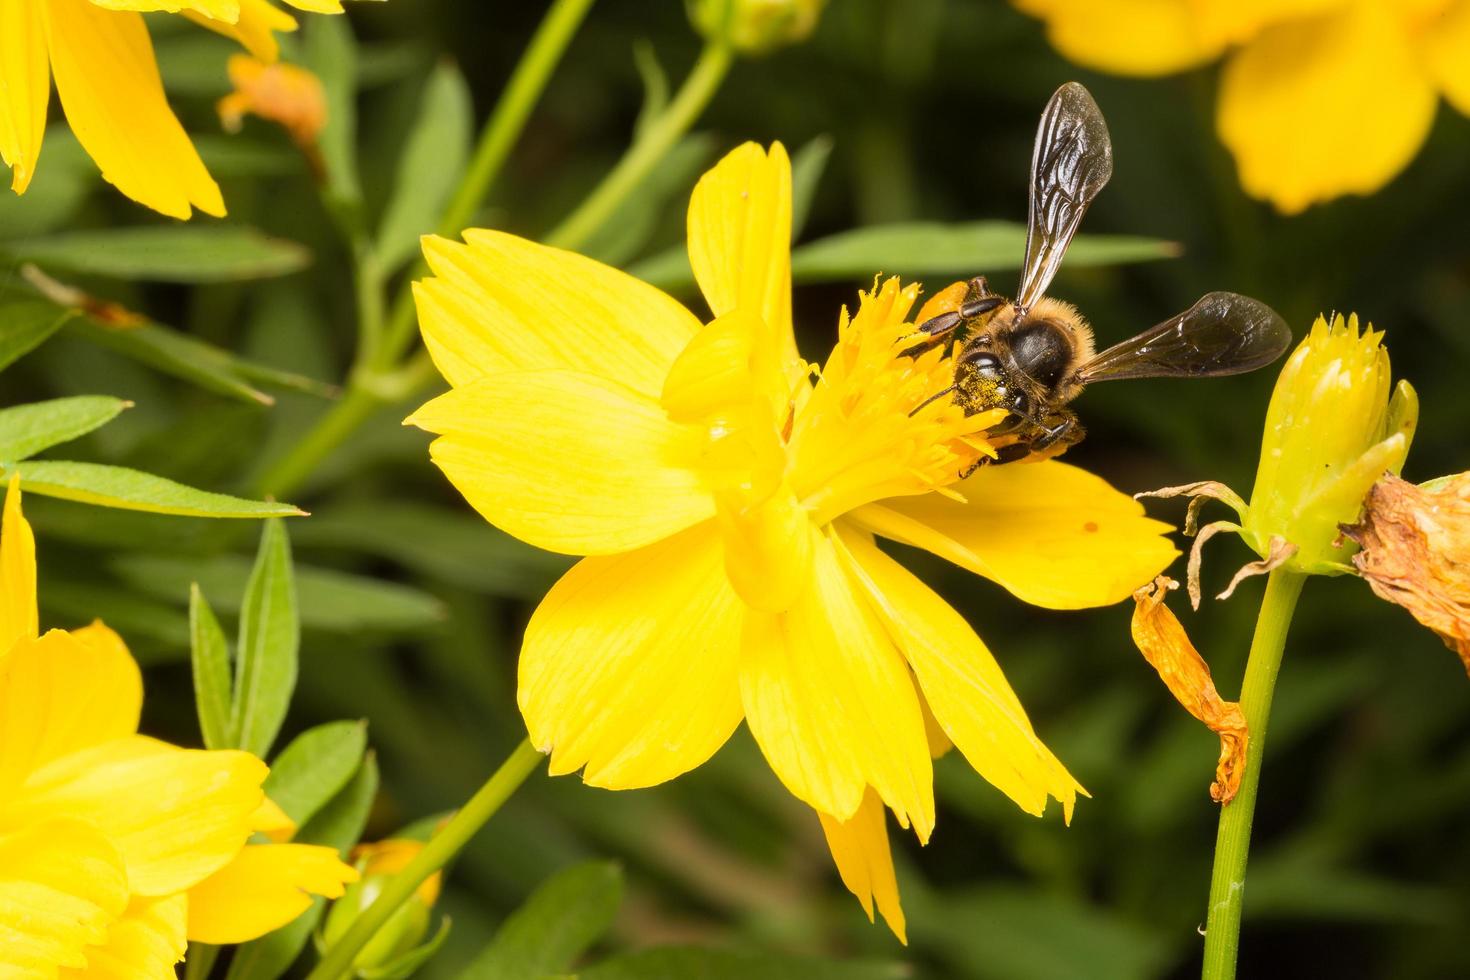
point(1033, 355)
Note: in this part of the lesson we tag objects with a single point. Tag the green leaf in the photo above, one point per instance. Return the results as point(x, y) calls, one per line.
point(330, 51)
point(25, 324)
point(210, 655)
point(564, 916)
point(310, 771)
point(430, 168)
point(192, 253)
point(339, 824)
point(265, 667)
point(628, 229)
point(140, 619)
point(807, 166)
point(210, 367)
point(60, 186)
point(927, 249)
point(116, 486)
point(329, 600)
point(1283, 887)
point(655, 85)
point(28, 429)
point(694, 963)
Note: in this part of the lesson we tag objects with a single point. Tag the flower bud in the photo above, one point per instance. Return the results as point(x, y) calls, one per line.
point(756, 26)
point(402, 935)
point(1332, 431)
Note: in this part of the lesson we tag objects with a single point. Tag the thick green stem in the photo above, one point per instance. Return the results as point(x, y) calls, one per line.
point(443, 846)
point(1232, 843)
point(651, 146)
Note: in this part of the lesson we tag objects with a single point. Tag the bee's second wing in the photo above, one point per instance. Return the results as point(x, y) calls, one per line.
point(1224, 333)
point(1072, 160)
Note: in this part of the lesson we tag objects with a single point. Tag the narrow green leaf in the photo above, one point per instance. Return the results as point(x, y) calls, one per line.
point(807, 166)
point(330, 51)
point(210, 655)
point(28, 429)
point(564, 916)
point(210, 367)
point(144, 621)
point(927, 249)
point(265, 664)
point(25, 324)
point(193, 253)
point(329, 600)
point(309, 772)
point(431, 165)
point(339, 824)
point(116, 486)
point(683, 962)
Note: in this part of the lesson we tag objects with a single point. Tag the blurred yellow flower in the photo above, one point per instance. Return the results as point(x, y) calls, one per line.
point(727, 494)
point(101, 57)
point(287, 95)
point(110, 842)
point(1319, 98)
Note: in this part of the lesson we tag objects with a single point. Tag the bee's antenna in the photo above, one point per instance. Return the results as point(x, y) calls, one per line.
point(930, 400)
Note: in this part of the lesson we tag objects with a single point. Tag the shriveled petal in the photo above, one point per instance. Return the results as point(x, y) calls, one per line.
point(62, 693)
point(1447, 54)
point(740, 241)
point(25, 88)
point(113, 98)
point(62, 884)
point(831, 703)
point(262, 889)
point(1054, 535)
point(963, 685)
point(144, 944)
point(18, 616)
point(568, 461)
point(175, 815)
point(1327, 106)
point(860, 849)
point(255, 29)
point(1128, 37)
point(502, 303)
point(629, 665)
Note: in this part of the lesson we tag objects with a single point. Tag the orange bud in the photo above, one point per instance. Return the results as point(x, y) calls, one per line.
point(284, 94)
point(1164, 644)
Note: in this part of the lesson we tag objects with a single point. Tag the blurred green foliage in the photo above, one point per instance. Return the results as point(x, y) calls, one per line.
point(410, 607)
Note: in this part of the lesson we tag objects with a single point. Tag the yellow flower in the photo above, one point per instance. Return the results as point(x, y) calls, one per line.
point(727, 495)
point(756, 27)
point(1319, 98)
point(101, 57)
point(109, 841)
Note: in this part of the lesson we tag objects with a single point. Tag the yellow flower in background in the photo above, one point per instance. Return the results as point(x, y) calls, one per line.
point(727, 495)
point(287, 95)
point(101, 57)
point(109, 840)
point(1319, 98)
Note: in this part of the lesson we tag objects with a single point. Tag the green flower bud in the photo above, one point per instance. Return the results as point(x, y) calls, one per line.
point(405, 931)
point(756, 26)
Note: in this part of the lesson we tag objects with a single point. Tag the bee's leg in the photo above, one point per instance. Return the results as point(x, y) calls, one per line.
point(933, 332)
point(979, 307)
point(1005, 454)
point(1064, 433)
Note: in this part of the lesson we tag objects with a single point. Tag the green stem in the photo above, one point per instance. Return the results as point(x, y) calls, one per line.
point(651, 145)
point(1232, 843)
point(200, 961)
point(443, 846)
point(499, 136)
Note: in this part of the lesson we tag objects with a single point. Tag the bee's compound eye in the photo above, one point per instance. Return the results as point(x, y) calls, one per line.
point(985, 365)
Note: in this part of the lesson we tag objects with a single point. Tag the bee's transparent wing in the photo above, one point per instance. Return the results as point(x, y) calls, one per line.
point(1072, 160)
point(1224, 333)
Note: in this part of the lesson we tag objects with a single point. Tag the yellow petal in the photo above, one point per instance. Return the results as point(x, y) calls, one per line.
point(318, 6)
point(1327, 106)
point(62, 693)
point(961, 682)
point(25, 88)
point(831, 703)
point(502, 303)
point(1128, 37)
point(740, 241)
point(270, 820)
point(629, 665)
point(262, 889)
point(1447, 54)
point(113, 98)
point(567, 461)
point(1054, 535)
point(175, 815)
point(860, 849)
point(768, 556)
point(255, 29)
point(18, 617)
point(225, 10)
point(62, 884)
point(144, 944)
